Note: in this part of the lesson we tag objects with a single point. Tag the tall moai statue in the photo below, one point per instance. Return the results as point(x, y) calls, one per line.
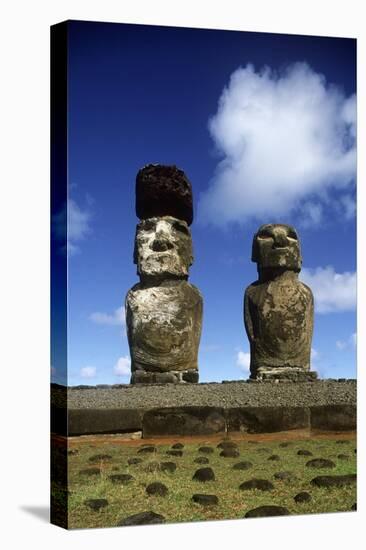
point(163, 311)
point(278, 308)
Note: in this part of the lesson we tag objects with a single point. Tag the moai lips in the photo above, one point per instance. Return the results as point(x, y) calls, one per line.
point(278, 308)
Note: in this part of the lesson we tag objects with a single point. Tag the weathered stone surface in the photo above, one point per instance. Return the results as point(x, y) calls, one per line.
point(93, 421)
point(157, 488)
point(278, 308)
point(244, 465)
point(204, 474)
point(205, 500)
point(334, 480)
point(266, 419)
point(334, 417)
point(163, 190)
point(226, 444)
point(267, 511)
point(183, 421)
point(230, 452)
point(255, 483)
point(320, 463)
point(285, 476)
point(304, 452)
point(96, 503)
point(164, 329)
point(168, 467)
point(142, 518)
point(302, 497)
point(122, 479)
point(175, 452)
point(205, 450)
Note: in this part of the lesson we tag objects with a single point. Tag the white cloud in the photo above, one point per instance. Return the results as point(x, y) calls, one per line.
point(332, 291)
point(284, 138)
point(123, 366)
point(243, 361)
point(88, 372)
point(78, 225)
point(116, 318)
point(346, 344)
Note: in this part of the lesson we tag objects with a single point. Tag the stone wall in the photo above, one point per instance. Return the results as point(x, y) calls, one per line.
point(242, 406)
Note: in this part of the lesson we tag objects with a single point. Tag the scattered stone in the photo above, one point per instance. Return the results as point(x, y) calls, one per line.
point(274, 457)
point(302, 497)
point(204, 474)
point(178, 446)
point(122, 479)
point(206, 450)
point(157, 488)
point(98, 458)
point(134, 460)
point(245, 465)
point(73, 452)
point(226, 444)
point(96, 503)
point(205, 500)
point(304, 452)
point(201, 460)
point(168, 467)
point(90, 472)
point(334, 481)
point(320, 463)
point(267, 511)
point(147, 449)
point(175, 452)
point(343, 457)
point(142, 518)
point(285, 476)
point(255, 483)
point(230, 452)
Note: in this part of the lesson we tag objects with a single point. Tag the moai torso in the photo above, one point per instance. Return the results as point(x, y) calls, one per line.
point(278, 308)
point(163, 311)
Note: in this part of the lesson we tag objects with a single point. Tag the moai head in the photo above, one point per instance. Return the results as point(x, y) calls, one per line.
point(163, 247)
point(163, 243)
point(277, 245)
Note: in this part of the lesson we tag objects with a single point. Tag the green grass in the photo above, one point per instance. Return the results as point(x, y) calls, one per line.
point(125, 500)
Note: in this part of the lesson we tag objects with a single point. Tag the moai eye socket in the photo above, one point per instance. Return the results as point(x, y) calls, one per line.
point(265, 234)
point(292, 235)
point(148, 225)
point(181, 227)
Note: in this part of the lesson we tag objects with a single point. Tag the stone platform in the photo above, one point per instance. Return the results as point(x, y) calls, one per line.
point(203, 409)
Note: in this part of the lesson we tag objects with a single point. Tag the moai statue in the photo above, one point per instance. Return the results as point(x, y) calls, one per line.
point(278, 308)
point(163, 311)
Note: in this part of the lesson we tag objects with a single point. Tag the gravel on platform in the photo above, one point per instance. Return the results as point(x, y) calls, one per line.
point(225, 394)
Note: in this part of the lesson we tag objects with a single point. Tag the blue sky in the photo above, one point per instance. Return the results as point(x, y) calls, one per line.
point(264, 127)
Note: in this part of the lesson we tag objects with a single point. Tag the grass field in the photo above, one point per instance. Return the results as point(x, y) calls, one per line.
point(89, 478)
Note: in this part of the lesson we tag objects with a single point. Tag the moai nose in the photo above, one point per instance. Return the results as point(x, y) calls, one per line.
point(280, 238)
point(162, 239)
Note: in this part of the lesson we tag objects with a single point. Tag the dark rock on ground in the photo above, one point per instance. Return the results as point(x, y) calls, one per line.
point(96, 503)
point(227, 444)
point(255, 483)
point(142, 518)
point(206, 450)
point(205, 500)
point(157, 488)
point(204, 474)
point(90, 472)
point(201, 460)
point(230, 452)
point(99, 457)
point(244, 465)
point(343, 457)
point(178, 446)
point(334, 480)
point(122, 479)
point(175, 452)
point(168, 467)
point(304, 452)
point(320, 463)
point(302, 497)
point(274, 457)
point(267, 511)
point(147, 449)
point(134, 460)
point(285, 476)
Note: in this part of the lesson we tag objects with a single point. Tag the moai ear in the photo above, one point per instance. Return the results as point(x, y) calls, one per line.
point(135, 248)
point(255, 253)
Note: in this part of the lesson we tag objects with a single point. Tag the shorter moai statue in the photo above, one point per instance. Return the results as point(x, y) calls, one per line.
point(163, 311)
point(278, 308)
